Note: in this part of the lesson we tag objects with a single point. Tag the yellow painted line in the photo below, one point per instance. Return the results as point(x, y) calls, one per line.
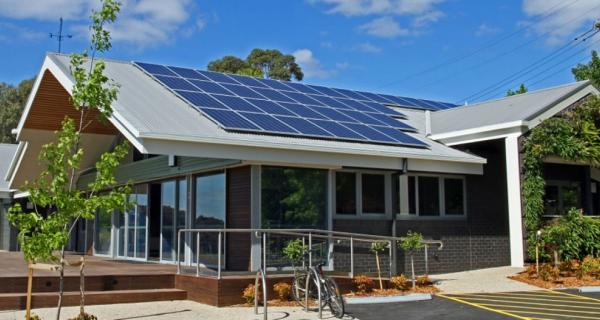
point(473, 296)
point(483, 307)
point(575, 295)
point(527, 294)
point(551, 314)
point(536, 308)
point(538, 304)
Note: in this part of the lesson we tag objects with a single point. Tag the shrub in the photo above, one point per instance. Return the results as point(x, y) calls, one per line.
point(573, 236)
point(363, 283)
point(294, 249)
point(283, 290)
point(590, 266)
point(35, 317)
point(400, 282)
point(248, 294)
point(423, 281)
point(85, 316)
point(549, 272)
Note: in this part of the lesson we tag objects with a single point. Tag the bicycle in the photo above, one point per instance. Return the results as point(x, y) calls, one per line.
point(330, 292)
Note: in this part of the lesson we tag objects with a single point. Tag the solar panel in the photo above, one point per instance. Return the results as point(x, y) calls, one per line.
point(188, 73)
point(200, 99)
point(229, 119)
point(237, 104)
point(249, 104)
point(242, 91)
point(271, 107)
point(176, 83)
point(268, 123)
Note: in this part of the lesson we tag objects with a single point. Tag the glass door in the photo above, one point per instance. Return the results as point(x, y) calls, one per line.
point(132, 226)
point(209, 214)
point(173, 218)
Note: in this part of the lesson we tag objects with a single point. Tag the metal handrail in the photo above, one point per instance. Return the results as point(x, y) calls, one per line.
point(263, 278)
point(310, 233)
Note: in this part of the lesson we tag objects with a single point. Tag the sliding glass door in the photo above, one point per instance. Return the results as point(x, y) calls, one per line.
point(132, 226)
point(209, 214)
point(173, 217)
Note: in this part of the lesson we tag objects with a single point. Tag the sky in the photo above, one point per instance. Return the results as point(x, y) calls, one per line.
point(451, 50)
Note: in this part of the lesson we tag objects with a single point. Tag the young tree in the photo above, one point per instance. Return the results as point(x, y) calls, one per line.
point(511, 92)
point(589, 71)
point(377, 248)
point(267, 63)
point(42, 235)
point(410, 243)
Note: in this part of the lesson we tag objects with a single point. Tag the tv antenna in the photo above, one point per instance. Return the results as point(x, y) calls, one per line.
point(59, 36)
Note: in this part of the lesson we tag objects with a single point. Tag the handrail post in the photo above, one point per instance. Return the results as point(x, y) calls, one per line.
point(178, 250)
point(303, 251)
point(320, 296)
point(426, 260)
point(306, 286)
point(219, 247)
point(264, 274)
point(351, 257)
point(309, 249)
point(198, 254)
point(391, 259)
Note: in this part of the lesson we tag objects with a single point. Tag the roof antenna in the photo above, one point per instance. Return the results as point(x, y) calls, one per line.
point(60, 37)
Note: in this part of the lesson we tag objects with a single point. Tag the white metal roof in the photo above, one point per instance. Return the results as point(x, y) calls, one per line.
point(514, 109)
point(150, 111)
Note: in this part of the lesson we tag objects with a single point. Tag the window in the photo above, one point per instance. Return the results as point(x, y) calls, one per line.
point(435, 196)
point(293, 198)
point(210, 204)
point(102, 235)
point(373, 193)
point(345, 192)
point(560, 196)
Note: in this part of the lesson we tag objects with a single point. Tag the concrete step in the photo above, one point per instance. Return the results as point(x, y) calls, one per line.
point(17, 301)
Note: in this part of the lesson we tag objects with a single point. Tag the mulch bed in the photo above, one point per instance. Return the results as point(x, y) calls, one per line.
point(563, 281)
point(392, 292)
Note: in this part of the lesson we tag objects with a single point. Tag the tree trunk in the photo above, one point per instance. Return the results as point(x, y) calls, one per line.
point(82, 286)
point(29, 289)
point(61, 282)
point(378, 270)
point(412, 269)
point(556, 261)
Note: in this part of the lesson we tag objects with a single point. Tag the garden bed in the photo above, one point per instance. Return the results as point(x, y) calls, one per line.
point(568, 274)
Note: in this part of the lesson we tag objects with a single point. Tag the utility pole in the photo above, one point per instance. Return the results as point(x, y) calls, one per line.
point(60, 37)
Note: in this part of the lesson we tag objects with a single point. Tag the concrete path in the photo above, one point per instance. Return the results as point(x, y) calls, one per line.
point(482, 280)
point(175, 310)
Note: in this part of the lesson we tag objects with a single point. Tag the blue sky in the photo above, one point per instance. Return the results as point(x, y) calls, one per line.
point(376, 45)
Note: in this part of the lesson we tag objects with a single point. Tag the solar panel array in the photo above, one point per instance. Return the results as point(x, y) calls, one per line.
point(239, 103)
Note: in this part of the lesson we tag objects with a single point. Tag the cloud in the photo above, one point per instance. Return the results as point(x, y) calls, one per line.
point(12, 32)
point(312, 67)
point(384, 27)
point(484, 30)
point(420, 12)
point(141, 23)
point(367, 47)
point(564, 19)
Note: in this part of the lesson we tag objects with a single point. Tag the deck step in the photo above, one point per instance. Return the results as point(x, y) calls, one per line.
point(17, 301)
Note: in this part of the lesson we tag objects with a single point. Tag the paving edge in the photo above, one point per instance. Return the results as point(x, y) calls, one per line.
point(389, 299)
point(589, 289)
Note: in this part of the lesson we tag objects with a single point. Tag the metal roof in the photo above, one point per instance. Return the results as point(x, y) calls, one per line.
point(7, 152)
point(149, 110)
point(522, 107)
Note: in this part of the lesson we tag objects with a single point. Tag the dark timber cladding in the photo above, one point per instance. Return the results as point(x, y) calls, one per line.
point(238, 217)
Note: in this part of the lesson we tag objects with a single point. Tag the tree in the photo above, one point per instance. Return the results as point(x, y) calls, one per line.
point(378, 247)
point(522, 89)
point(410, 243)
point(42, 235)
point(267, 63)
point(589, 71)
point(12, 102)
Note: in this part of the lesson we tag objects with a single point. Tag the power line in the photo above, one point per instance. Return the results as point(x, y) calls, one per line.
point(505, 53)
point(555, 73)
point(531, 67)
point(488, 45)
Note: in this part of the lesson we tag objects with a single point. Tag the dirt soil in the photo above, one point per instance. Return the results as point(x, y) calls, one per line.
point(391, 292)
point(561, 282)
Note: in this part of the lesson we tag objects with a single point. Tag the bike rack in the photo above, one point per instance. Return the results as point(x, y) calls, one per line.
point(260, 274)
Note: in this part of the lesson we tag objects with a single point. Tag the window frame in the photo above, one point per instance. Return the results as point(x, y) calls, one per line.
point(404, 213)
point(387, 214)
point(560, 184)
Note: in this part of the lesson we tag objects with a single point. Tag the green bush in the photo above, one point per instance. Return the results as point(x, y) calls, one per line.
point(573, 236)
point(294, 249)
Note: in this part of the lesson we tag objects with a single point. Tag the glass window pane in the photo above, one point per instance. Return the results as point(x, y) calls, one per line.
point(121, 235)
point(181, 215)
point(412, 193)
point(131, 226)
point(570, 197)
point(429, 196)
point(345, 192)
point(373, 193)
point(209, 214)
point(454, 196)
point(293, 198)
point(167, 218)
point(142, 211)
point(103, 225)
point(551, 200)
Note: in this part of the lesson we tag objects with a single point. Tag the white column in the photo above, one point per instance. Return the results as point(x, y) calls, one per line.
point(513, 183)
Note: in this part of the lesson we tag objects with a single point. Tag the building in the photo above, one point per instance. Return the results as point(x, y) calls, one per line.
point(207, 153)
point(7, 234)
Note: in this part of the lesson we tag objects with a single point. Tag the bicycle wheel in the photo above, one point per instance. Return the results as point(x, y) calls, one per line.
point(334, 298)
point(299, 291)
